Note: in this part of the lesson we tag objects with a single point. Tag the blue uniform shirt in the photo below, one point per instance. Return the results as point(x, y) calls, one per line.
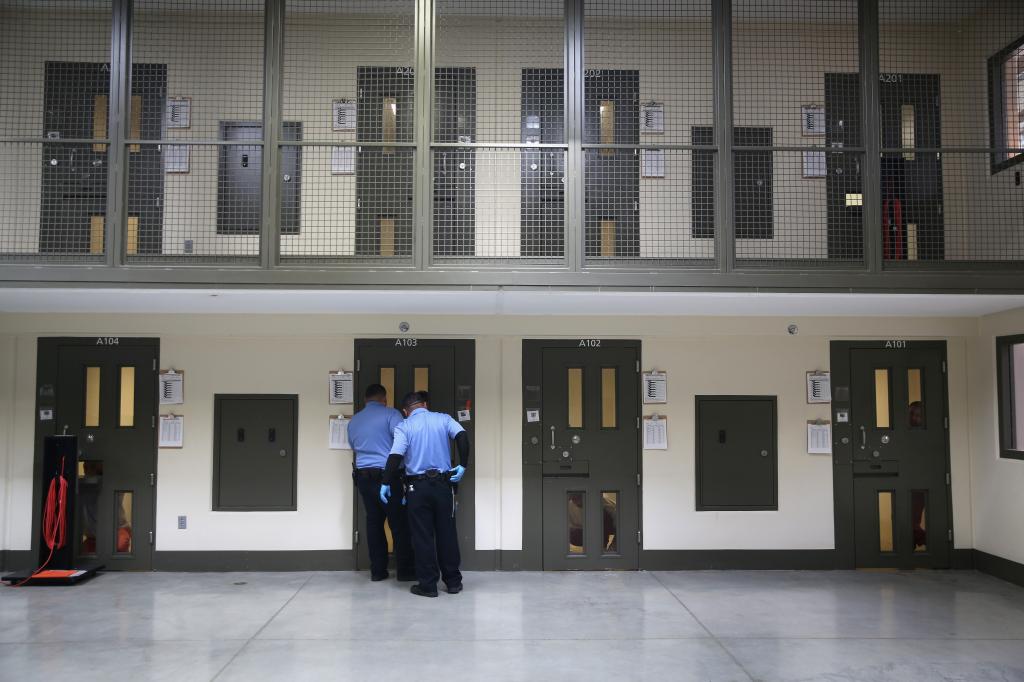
point(423, 439)
point(371, 432)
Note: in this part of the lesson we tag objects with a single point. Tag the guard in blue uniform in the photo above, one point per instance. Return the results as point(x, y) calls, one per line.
point(422, 445)
point(371, 434)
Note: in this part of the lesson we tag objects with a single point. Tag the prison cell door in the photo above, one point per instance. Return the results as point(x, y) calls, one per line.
point(383, 173)
point(911, 182)
point(612, 176)
point(455, 168)
point(590, 430)
point(106, 395)
point(542, 170)
point(443, 368)
point(900, 462)
point(240, 179)
point(73, 208)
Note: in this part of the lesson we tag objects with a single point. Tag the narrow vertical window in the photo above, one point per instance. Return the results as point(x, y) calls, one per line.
point(92, 396)
point(389, 122)
point(607, 237)
point(575, 522)
point(90, 477)
point(882, 418)
point(885, 538)
point(575, 385)
point(387, 380)
point(609, 408)
point(607, 122)
point(387, 237)
point(919, 519)
point(127, 401)
point(907, 132)
point(610, 521)
point(123, 511)
point(421, 379)
point(915, 398)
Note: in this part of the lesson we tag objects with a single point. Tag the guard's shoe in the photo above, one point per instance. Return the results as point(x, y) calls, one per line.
point(377, 577)
point(420, 592)
point(454, 589)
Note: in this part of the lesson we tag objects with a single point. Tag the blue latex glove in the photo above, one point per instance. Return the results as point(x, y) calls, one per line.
point(456, 473)
point(385, 493)
point(403, 500)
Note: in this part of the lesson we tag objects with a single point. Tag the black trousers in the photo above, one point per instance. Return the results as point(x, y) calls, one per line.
point(434, 540)
point(376, 540)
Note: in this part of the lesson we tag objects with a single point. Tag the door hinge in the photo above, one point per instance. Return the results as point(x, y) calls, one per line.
point(154, 364)
point(638, 479)
point(945, 422)
point(943, 366)
point(638, 366)
point(152, 480)
point(950, 535)
point(358, 365)
point(638, 423)
point(638, 537)
point(152, 421)
point(151, 537)
point(947, 478)
point(355, 538)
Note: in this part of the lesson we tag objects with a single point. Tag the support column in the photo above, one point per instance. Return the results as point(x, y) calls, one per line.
point(273, 52)
point(423, 168)
point(725, 226)
point(574, 112)
point(871, 177)
point(118, 114)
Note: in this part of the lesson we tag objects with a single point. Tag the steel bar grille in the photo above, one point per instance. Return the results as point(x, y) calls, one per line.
point(349, 78)
point(942, 200)
point(498, 80)
point(647, 86)
point(197, 78)
point(796, 93)
point(54, 86)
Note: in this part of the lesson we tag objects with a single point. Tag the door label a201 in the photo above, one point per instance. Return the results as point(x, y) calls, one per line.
point(895, 344)
point(405, 343)
point(108, 341)
point(589, 343)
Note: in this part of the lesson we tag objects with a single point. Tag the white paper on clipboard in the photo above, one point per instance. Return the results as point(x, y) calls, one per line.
point(172, 431)
point(172, 387)
point(819, 387)
point(819, 438)
point(340, 388)
point(337, 436)
point(655, 432)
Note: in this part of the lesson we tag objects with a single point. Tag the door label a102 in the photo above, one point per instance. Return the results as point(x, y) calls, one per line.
point(589, 343)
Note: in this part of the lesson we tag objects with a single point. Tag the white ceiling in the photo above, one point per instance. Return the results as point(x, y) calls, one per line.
point(498, 302)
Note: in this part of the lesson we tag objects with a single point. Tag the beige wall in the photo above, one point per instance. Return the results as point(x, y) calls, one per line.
point(997, 483)
point(702, 356)
point(779, 67)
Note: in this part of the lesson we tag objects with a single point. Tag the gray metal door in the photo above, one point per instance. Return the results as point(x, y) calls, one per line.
point(444, 368)
point(254, 453)
point(542, 170)
point(240, 179)
point(454, 167)
point(736, 457)
point(589, 426)
point(900, 457)
point(106, 395)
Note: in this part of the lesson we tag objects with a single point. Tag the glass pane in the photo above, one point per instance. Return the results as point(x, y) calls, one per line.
point(387, 380)
point(127, 416)
point(885, 540)
point(90, 475)
point(575, 397)
point(882, 420)
point(123, 521)
point(608, 407)
point(575, 522)
point(915, 399)
point(919, 519)
point(610, 516)
point(907, 130)
point(92, 396)
point(421, 379)
point(1017, 392)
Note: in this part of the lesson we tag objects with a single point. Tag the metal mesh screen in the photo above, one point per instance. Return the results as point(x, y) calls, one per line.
point(943, 198)
point(796, 94)
point(647, 87)
point(498, 133)
point(349, 79)
point(197, 79)
point(54, 89)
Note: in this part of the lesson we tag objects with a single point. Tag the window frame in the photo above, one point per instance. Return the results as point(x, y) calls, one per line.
point(997, 106)
point(1005, 395)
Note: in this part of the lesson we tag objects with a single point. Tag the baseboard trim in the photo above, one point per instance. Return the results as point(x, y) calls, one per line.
point(961, 559)
point(1005, 569)
point(17, 559)
point(737, 559)
point(300, 560)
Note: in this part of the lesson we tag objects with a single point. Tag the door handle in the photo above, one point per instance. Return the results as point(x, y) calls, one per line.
point(552, 437)
point(863, 438)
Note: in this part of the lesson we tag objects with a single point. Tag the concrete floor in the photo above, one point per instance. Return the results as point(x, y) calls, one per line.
point(519, 626)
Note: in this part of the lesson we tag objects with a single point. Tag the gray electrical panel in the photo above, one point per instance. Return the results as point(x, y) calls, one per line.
point(737, 458)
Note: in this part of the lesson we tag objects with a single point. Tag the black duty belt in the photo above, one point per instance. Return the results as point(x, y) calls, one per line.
point(432, 475)
point(369, 472)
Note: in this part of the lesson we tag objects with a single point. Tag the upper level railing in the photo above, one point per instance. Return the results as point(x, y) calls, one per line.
point(656, 142)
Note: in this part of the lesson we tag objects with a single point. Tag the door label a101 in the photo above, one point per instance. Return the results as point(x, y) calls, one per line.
point(895, 344)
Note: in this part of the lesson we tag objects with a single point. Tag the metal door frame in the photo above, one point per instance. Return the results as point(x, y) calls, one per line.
point(842, 456)
point(47, 365)
point(532, 557)
point(464, 372)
